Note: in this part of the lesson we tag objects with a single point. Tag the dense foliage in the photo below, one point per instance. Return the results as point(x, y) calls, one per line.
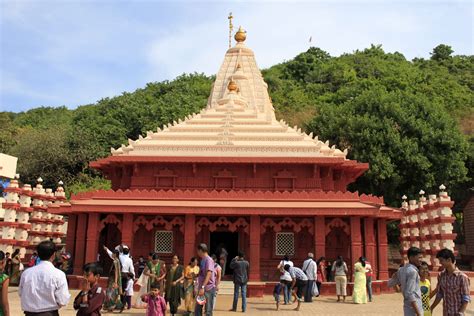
point(411, 120)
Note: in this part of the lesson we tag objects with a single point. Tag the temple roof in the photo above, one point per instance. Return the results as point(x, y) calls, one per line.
point(243, 202)
point(238, 121)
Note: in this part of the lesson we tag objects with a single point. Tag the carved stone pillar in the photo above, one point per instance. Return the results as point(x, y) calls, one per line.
point(189, 237)
point(127, 229)
point(369, 237)
point(319, 236)
point(254, 257)
point(356, 239)
point(92, 245)
point(382, 250)
point(79, 253)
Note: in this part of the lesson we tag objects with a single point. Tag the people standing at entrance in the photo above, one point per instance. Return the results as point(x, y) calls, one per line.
point(173, 287)
point(43, 288)
point(240, 266)
point(408, 278)
point(15, 267)
point(128, 294)
point(141, 264)
point(218, 272)
point(453, 286)
point(310, 269)
point(286, 260)
point(339, 270)
point(329, 276)
point(299, 280)
point(369, 273)
point(425, 288)
point(126, 267)
point(285, 276)
point(156, 272)
point(359, 294)
point(190, 274)
point(206, 281)
point(285, 279)
point(222, 255)
point(320, 275)
point(4, 282)
point(114, 285)
point(90, 299)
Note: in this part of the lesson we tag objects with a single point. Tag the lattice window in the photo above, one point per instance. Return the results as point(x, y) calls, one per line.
point(163, 241)
point(285, 244)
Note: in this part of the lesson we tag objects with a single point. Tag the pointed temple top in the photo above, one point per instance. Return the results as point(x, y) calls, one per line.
point(238, 121)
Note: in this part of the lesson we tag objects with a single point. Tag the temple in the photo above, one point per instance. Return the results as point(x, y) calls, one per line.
point(231, 176)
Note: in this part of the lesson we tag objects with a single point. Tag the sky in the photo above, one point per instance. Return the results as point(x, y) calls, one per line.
point(71, 52)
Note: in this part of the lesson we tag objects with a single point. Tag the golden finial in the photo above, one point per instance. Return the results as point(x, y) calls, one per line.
point(231, 28)
point(241, 35)
point(232, 86)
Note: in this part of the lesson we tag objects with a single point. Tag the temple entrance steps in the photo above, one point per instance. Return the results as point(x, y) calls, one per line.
point(226, 288)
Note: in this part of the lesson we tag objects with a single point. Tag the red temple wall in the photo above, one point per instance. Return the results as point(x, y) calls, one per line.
point(351, 237)
point(230, 176)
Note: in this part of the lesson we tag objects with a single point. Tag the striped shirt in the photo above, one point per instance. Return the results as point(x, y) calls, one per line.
point(297, 273)
point(453, 288)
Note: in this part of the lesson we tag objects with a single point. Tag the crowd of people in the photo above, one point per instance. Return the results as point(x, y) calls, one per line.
point(413, 280)
point(302, 284)
point(43, 286)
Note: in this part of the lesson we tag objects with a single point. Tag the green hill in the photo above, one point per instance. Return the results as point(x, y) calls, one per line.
point(411, 120)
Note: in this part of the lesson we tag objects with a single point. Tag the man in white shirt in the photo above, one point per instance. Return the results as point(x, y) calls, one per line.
point(310, 269)
point(43, 288)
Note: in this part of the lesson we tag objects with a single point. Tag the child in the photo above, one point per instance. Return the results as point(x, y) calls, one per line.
point(89, 301)
point(425, 287)
point(276, 293)
point(156, 303)
point(279, 287)
point(129, 291)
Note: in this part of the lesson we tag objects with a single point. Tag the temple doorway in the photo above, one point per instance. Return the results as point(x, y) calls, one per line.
point(337, 244)
point(110, 236)
point(227, 241)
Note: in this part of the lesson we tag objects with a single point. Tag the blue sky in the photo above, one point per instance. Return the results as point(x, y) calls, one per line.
point(72, 53)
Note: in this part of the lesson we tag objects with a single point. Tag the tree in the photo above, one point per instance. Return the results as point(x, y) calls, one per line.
point(441, 52)
point(410, 142)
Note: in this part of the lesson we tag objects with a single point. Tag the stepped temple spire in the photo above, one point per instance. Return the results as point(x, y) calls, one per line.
point(238, 121)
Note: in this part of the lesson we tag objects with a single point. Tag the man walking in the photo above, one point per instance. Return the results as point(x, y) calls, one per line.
point(299, 280)
point(43, 288)
point(206, 281)
point(310, 269)
point(241, 277)
point(453, 286)
point(408, 278)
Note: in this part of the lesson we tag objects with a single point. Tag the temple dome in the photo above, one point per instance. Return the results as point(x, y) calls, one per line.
point(238, 121)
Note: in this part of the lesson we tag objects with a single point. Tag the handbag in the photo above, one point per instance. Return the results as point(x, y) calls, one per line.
point(314, 290)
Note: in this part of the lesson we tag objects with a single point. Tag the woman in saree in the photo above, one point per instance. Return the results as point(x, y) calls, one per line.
point(359, 295)
point(15, 268)
point(156, 272)
point(190, 274)
point(114, 285)
point(174, 278)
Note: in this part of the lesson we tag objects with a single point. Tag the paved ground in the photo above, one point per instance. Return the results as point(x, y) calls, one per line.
point(386, 305)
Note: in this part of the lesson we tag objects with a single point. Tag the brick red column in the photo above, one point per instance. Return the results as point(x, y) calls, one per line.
point(319, 236)
point(79, 252)
point(127, 230)
point(71, 233)
point(92, 240)
point(189, 237)
point(356, 240)
point(369, 237)
point(382, 248)
point(254, 257)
